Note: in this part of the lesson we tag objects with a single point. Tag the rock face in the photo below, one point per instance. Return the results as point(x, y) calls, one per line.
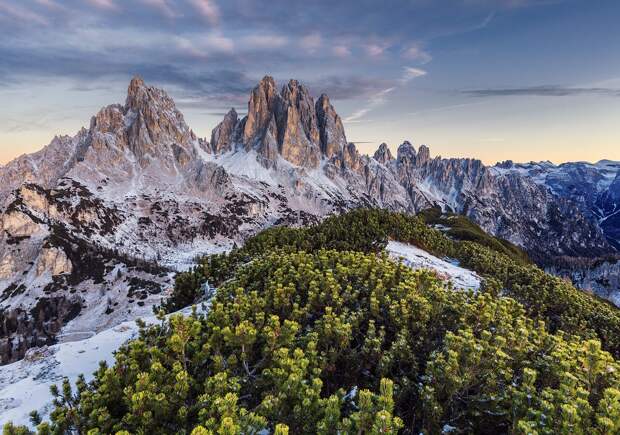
point(333, 139)
point(286, 124)
point(94, 225)
point(383, 154)
point(222, 137)
point(54, 261)
point(594, 188)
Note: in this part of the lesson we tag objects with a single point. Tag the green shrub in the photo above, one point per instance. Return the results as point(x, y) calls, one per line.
point(347, 342)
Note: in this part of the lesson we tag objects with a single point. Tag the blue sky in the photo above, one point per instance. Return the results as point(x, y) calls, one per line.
point(493, 79)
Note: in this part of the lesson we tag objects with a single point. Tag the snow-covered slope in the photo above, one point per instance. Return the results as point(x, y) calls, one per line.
point(25, 385)
point(446, 269)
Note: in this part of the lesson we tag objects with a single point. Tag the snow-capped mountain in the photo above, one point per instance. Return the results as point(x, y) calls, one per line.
point(593, 187)
point(93, 226)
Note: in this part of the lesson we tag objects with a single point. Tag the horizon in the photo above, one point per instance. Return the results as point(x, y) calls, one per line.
point(521, 80)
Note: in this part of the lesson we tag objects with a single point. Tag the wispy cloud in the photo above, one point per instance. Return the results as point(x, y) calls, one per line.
point(208, 9)
point(375, 49)
point(541, 91)
point(375, 101)
point(264, 41)
point(415, 52)
point(22, 14)
point(341, 51)
point(162, 7)
point(104, 4)
point(380, 98)
point(410, 73)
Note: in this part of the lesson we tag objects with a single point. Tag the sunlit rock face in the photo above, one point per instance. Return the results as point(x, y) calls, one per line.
point(93, 226)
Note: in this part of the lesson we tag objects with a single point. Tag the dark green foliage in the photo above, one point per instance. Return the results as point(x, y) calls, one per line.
point(460, 227)
point(300, 340)
point(557, 302)
point(346, 342)
point(362, 230)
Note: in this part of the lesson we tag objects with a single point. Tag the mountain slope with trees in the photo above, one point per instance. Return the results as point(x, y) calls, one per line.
point(316, 330)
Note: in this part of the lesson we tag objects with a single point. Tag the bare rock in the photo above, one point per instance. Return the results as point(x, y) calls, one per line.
point(333, 139)
point(383, 154)
point(54, 261)
point(223, 136)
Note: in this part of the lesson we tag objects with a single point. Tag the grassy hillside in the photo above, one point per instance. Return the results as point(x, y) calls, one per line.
point(316, 330)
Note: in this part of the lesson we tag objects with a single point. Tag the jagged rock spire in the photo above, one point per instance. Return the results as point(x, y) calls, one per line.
point(136, 93)
point(287, 123)
point(383, 154)
point(148, 125)
point(406, 152)
point(222, 137)
point(263, 103)
point(333, 139)
point(424, 154)
point(298, 132)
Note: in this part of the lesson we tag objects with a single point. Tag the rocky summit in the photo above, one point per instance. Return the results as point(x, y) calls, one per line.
point(95, 225)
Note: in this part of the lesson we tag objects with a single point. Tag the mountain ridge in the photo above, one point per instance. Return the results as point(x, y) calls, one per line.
point(143, 194)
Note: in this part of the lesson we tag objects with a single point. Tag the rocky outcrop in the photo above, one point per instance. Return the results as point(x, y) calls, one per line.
point(222, 137)
point(286, 124)
point(17, 224)
point(383, 154)
point(298, 132)
point(54, 261)
point(333, 139)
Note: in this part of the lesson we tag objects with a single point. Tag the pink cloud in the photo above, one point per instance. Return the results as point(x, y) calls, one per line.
point(417, 53)
point(341, 51)
point(375, 49)
point(208, 9)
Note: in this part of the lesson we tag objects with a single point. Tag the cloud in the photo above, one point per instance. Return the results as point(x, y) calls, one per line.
point(540, 91)
point(208, 9)
point(341, 51)
point(375, 101)
point(104, 4)
point(203, 46)
point(50, 4)
point(311, 43)
point(415, 52)
point(348, 87)
point(162, 7)
point(381, 97)
point(264, 41)
point(375, 49)
point(410, 73)
point(22, 14)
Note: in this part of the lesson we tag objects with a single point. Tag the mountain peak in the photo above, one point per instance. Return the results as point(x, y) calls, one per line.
point(149, 126)
point(287, 123)
point(383, 154)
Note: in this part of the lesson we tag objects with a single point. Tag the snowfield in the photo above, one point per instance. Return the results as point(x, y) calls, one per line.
point(25, 384)
point(448, 270)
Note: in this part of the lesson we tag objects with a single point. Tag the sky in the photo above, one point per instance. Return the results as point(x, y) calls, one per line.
point(491, 79)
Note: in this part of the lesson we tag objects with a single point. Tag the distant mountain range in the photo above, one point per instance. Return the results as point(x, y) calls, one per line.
point(95, 225)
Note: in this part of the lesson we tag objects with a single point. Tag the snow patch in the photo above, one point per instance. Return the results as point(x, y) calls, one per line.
point(449, 270)
point(25, 385)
